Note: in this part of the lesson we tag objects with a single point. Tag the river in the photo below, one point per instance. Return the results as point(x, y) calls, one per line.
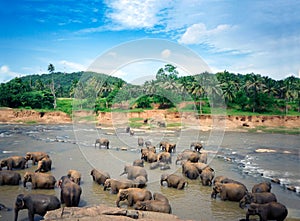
point(247, 157)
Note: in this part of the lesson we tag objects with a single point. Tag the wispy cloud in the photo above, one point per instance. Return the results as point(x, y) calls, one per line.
point(198, 33)
point(6, 74)
point(135, 14)
point(72, 66)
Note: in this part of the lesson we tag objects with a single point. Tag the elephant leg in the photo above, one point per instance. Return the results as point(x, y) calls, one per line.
point(180, 185)
point(130, 200)
point(30, 215)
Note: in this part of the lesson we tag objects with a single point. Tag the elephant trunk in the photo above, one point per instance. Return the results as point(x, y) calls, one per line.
point(24, 183)
point(242, 204)
point(213, 195)
point(16, 214)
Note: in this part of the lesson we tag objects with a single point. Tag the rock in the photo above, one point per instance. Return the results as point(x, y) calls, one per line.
point(105, 213)
point(275, 180)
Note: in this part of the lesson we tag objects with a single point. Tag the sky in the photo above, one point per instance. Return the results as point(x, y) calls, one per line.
point(259, 36)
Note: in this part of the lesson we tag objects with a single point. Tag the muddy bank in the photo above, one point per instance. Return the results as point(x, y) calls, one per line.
point(102, 212)
point(203, 122)
point(13, 116)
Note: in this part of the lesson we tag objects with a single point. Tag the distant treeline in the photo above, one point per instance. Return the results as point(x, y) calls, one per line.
point(249, 92)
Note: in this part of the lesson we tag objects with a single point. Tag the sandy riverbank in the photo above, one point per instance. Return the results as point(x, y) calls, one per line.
point(203, 122)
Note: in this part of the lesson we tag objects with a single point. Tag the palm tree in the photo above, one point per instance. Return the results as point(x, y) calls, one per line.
point(254, 86)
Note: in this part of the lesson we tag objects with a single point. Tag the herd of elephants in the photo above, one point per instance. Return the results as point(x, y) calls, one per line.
point(133, 191)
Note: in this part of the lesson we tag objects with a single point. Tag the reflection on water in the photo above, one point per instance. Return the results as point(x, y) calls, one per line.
point(242, 156)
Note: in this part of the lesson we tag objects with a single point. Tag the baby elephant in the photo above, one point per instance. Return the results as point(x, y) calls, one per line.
point(268, 211)
point(36, 204)
point(44, 165)
point(262, 187)
point(133, 195)
point(99, 176)
point(259, 198)
point(174, 181)
point(75, 176)
point(102, 142)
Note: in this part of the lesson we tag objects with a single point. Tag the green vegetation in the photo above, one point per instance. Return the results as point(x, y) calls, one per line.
point(249, 94)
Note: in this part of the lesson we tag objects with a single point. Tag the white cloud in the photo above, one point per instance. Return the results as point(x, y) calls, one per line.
point(6, 74)
point(131, 14)
point(198, 33)
point(72, 66)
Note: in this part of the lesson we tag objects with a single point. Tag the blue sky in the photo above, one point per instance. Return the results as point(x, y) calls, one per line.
point(240, 36)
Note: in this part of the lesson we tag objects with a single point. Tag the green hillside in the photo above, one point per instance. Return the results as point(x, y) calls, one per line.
point(248, 94)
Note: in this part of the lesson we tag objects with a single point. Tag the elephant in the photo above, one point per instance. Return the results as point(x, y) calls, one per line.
point(229, 191)
point(200, 166)
point(39, 180)
point(99, 176)
point(259, 198)
point(197, 146)
point(154, 205)
point(174, 181)
point(262, 187)
point(140, 142)
point(207, 175)
point(140, 182)
point(164, 157)
point(149, 156)
point(167, 147)
point(148, 143)
point(151, 148)
point(44, 165)
point(36, 156)
point(75, 176)
point(194, 157)
point(156, 165)
point(133, 195)
point(160, 197)
point(102, 142)
point(138, 162)
point(17, 162)
point(267, 211)
point(190, 170)
point(131, 132)
point(116, 185)
point(70, 192)
point(187, 154)
point(36, 204)
point(9, 178)
point(223, 179)
point(134, 171)
point(203, 157)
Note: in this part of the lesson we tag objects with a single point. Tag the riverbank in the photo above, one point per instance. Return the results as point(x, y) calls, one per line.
point(259, 123)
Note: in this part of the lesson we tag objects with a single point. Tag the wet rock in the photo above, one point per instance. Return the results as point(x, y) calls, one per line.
point(291, 188)
point(105, 213)
point(275, 180)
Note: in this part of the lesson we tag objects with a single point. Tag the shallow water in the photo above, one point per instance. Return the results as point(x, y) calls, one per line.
point(240, 158)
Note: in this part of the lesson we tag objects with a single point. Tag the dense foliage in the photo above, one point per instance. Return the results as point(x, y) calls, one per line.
point(100, 92)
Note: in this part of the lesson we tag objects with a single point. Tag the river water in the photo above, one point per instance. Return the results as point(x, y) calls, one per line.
point(247, 157)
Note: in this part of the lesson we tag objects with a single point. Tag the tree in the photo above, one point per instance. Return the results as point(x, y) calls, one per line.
point(51, 69)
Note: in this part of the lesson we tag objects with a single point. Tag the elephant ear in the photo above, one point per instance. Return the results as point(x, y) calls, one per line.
point(20, 201)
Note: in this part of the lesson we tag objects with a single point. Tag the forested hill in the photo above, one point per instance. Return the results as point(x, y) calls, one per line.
point(40, 91)
point(242, 93)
